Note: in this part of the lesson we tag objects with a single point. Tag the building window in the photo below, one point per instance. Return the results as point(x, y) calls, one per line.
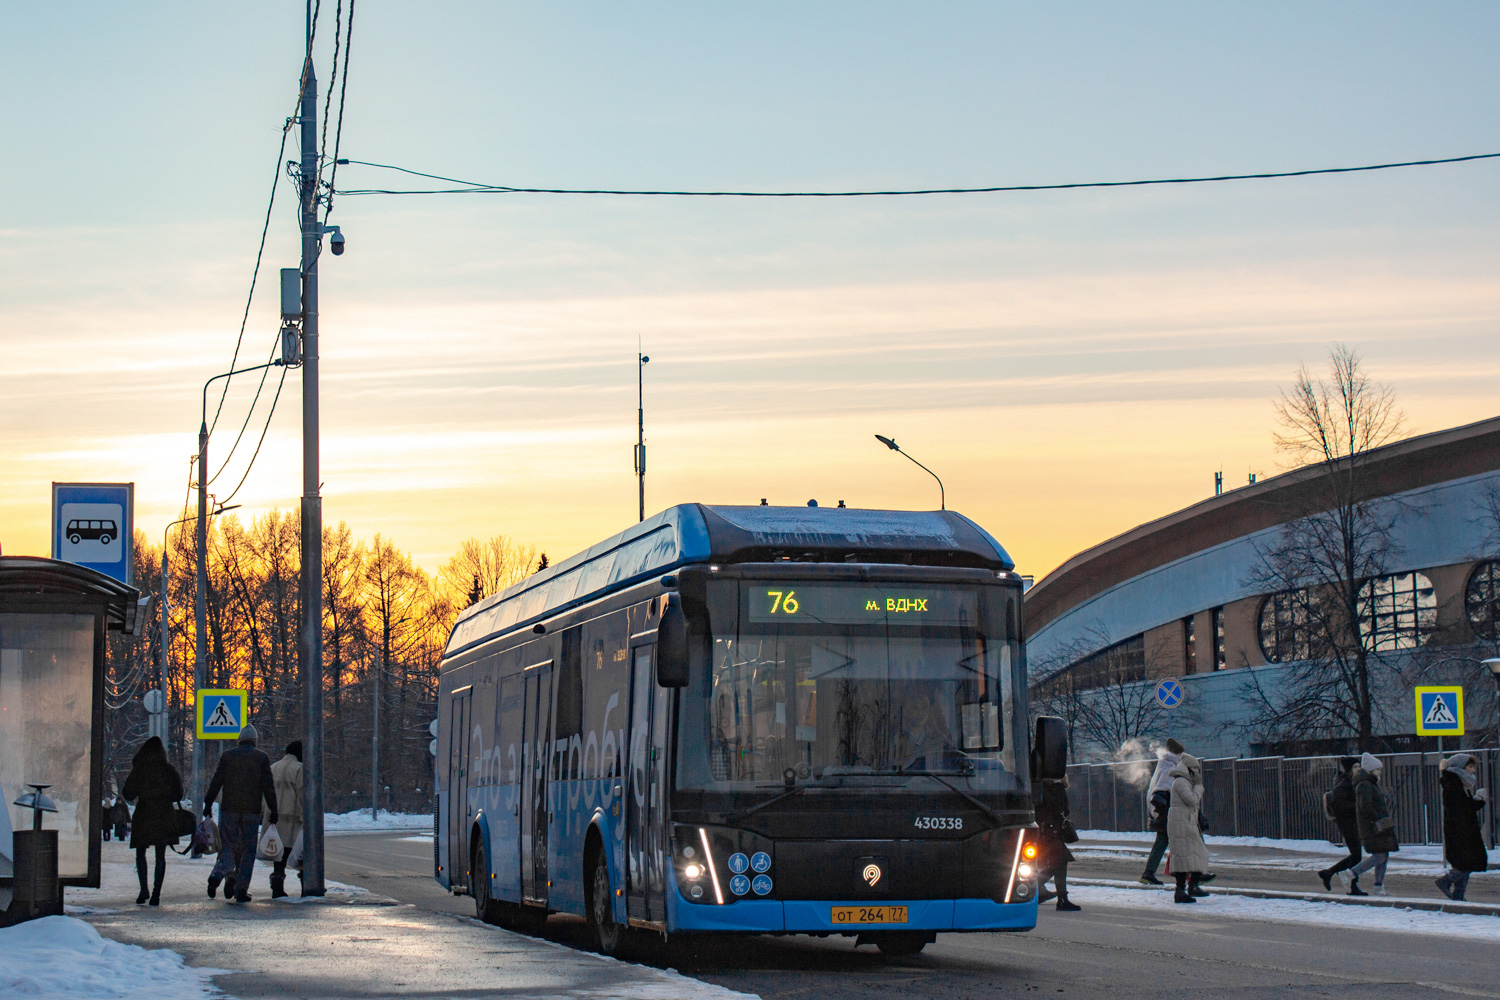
point(1286, 627)
point(1122, 663)
point(1482, 600)
point(1189, 646)
point(1397, 611)
point(1220, 661)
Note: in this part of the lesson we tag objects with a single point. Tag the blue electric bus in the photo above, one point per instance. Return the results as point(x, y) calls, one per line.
point(747, 719)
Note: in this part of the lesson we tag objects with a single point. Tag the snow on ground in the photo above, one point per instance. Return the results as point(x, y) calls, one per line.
point(359, 821)
point(63, 958)
point(424, 838)
point(1418, 852)
point(1292, 911)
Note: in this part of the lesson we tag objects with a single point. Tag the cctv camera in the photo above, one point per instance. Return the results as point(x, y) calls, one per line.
point(336, 241)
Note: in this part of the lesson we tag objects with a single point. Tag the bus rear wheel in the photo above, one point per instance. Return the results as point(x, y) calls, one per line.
point(485, 908)
point(607, 932)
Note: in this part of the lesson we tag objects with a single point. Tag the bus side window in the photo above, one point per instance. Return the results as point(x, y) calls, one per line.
point(570, 699)
point(508, 728)
point(604, 698)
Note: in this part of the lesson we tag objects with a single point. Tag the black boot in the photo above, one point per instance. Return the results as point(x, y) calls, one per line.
point(1063, 903)
point(1326, 877)
point(140, 873)
point(161, 874)
point(1194, 888)
point(1182, 895)
point(213, 885)
point(228, 888)
point(278, 886)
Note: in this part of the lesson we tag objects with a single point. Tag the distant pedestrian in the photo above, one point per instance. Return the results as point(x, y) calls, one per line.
point(108, 823)
point(287, 775)
point(121, 817)
point(1054, 832)
point(1463, 846)
point(1339, 803)
point(1158, 801)
point(1185, 832)
point(157, 787)
point(1377, 828)
point(244, 776)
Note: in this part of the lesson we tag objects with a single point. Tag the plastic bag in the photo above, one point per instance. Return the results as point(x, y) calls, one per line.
point(270, 846)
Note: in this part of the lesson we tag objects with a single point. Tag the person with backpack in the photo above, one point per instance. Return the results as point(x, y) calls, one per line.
point(156, 786)
point(244, 777)
point(1463, 845)
point(1159, 796)
point(1377, 827)
point(1338, 805)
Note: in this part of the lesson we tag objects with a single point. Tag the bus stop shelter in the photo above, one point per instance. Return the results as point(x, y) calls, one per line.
point(54, 617)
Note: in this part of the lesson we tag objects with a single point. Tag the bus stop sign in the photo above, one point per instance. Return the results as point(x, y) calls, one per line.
point(1440, 711)
point(92, 526)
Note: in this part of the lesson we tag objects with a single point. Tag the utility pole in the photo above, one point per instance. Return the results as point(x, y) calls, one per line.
point(311, 646)
point(200, 606)
point(640, 426)
point(375, 741)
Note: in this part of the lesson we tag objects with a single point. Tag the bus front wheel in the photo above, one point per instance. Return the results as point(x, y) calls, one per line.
point(896, 943)
point(607, 932)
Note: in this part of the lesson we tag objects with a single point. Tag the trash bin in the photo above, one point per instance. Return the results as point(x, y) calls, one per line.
point(36, 889)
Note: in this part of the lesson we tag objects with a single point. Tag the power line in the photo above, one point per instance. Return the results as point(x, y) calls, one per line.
point(266, 427)
point(338, 132)
point(475, 187)
point(249, 413)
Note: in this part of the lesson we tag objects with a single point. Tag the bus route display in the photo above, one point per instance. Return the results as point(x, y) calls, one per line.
point(862, 604)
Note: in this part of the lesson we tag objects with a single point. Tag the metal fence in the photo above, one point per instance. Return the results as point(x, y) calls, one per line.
point(1275, 797)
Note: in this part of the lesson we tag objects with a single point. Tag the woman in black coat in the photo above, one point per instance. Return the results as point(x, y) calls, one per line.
point(1052, 854)
point(1463, 845)
point(156, 787)
point(1340, 802)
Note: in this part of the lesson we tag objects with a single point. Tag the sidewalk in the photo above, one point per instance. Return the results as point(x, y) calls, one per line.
point(349, 944)
point(1286, 869)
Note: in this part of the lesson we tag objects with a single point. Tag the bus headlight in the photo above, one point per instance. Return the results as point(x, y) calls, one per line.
point(1024, 870)
point(693, 871)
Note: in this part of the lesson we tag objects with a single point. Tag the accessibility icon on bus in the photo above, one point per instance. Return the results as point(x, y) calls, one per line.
point(221, 713)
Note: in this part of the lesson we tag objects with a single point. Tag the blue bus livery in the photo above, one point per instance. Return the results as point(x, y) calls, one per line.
point(746, 719)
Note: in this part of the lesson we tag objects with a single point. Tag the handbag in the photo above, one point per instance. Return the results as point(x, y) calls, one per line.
point(270, 846)
point(1069, 833)
point(183, 823)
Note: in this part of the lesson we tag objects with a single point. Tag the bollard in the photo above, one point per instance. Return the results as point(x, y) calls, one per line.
point(36, 892)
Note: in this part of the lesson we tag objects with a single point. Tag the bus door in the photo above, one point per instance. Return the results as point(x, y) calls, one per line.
point(535, 815)
point(458, 787)
point(645, 799)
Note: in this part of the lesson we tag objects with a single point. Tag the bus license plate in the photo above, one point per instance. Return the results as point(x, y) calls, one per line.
point(868, 915)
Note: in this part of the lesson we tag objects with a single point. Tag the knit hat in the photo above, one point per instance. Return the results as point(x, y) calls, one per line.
point(1173, 746)
point(248, 734)
point(1457, 762)
point(1369, 762)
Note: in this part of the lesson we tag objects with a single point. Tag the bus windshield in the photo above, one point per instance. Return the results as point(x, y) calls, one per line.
point(831, 702)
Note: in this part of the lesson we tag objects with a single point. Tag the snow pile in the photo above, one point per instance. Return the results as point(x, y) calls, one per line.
point(63, 958)
point(1423, 852)
point(359, 821)
point(1294, 911)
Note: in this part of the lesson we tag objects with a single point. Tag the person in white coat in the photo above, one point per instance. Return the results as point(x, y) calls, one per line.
point(1184, 834)
point(287, 775)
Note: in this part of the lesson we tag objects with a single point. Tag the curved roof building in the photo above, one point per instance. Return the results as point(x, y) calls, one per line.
point(1178, 597)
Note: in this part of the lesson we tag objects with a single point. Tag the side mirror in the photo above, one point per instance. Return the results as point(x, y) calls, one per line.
point(1050, 750)
point(672, 645)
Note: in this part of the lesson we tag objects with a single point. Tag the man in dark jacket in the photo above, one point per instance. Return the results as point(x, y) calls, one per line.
point(1341, 805)
point(244, 776)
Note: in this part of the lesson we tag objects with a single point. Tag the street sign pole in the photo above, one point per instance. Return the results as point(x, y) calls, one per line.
point(200, 606)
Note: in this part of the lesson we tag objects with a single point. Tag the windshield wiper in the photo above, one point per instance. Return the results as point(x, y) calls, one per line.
point(733, 818)
point(935, 776)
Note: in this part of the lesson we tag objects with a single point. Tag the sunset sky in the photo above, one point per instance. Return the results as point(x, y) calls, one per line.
point(1071, 363)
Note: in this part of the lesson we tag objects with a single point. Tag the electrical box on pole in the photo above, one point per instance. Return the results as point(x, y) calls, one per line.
point(291, 295)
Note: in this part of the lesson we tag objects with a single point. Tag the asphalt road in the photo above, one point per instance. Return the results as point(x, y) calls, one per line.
point(1116, 951)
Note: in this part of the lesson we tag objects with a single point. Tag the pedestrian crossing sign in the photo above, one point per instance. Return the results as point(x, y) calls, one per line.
point(1440, 711)
point(221, 713)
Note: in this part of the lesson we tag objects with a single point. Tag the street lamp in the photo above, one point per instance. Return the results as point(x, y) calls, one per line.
point(640, 426)
point(942, 495)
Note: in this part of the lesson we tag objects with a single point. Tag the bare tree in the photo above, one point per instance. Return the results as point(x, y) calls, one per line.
point(1106, 693)
point(483, 567)
point(1337, 538)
